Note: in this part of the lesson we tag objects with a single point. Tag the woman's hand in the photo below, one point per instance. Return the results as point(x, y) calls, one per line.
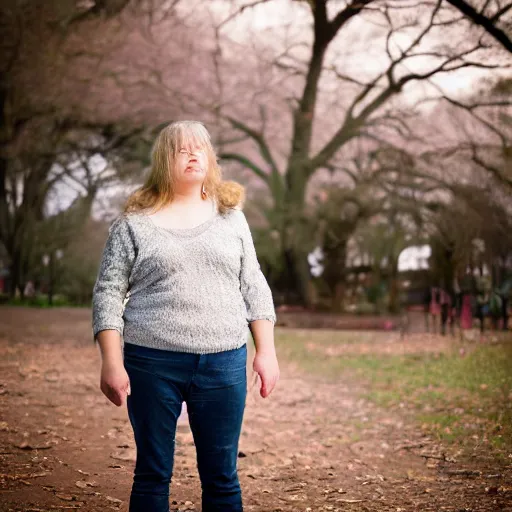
point(115, 383)
point(266, 366)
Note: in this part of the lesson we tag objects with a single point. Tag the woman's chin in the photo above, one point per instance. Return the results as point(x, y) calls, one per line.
point(191, 173)
point(192, 177)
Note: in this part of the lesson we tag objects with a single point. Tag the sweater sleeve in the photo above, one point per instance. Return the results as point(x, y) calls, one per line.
point(112, 281)
point(253, 285)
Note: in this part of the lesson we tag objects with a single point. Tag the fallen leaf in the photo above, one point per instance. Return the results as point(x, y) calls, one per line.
point(25, 445)
point(66, 497)
point(126, 455)
point(113, 500)
point(84, 484)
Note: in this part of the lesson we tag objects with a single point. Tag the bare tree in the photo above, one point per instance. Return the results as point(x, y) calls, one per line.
point(369, 112)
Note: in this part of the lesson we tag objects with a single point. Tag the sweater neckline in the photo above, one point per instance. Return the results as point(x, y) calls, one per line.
point(185, 232)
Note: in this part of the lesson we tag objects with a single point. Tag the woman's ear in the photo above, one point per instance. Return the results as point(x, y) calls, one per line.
point(231, 194)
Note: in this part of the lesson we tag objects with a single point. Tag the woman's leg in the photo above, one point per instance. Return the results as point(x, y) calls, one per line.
point(215, 407)
point(154, 406)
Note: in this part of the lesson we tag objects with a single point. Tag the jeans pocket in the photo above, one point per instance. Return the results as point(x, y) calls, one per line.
point(225, 369)
point(230, 360)
point(152, 360)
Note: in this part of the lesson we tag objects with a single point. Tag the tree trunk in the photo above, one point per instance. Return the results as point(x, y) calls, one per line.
point(394, 302)
point(338, 303)
point(298, 278)
point(290, 223)
point(303, 278)
point(14, 270)
point(51, 277)
point(335, 253)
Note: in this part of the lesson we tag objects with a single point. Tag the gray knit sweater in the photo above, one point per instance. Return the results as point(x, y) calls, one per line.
point(190, 290)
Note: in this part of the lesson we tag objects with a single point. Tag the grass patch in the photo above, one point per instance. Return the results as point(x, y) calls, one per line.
point(459, 399)
point(38, 301)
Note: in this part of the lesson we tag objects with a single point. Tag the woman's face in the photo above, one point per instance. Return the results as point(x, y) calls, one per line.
point(191, 163)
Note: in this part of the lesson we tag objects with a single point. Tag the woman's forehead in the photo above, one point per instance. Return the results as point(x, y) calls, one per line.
point(193, 139)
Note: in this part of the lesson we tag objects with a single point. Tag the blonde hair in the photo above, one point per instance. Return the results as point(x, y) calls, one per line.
point(159, 187)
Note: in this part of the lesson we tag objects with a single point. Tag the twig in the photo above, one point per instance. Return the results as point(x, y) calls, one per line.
point(443, 457)
point(464, 472)
point(421, 444)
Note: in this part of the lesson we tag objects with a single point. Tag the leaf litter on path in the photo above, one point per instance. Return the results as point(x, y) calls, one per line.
point(310, 436)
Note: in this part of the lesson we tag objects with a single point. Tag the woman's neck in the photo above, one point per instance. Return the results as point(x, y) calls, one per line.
point(187, 199)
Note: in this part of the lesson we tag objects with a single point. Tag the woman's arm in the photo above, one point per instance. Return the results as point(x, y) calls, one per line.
point(109, 293)
point(263, 335)
point(260, 312)
point(109, 341)
point(112, 282)
point(114, 380)
point(265, 361)
point(253, 285)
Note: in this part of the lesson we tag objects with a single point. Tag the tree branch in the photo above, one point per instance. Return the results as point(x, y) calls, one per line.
point(260, 141)
point(354, 8)
point(487, 23)
point(237, 157)
point(240, 11)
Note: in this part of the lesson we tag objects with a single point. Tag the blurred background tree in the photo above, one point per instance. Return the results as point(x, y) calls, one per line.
point(358, 127)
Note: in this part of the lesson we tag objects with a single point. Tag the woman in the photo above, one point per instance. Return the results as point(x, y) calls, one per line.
point(179, 280)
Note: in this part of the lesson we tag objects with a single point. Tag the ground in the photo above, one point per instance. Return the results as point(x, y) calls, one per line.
point(319, 442)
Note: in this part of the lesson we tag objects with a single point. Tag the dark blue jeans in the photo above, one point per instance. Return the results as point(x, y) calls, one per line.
point(214, 386)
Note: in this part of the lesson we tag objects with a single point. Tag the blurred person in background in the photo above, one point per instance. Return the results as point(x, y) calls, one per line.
point(483, 293)
point(435, 308)
point(504, 291)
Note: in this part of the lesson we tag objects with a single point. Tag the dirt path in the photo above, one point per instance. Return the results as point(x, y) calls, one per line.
point(312, 445)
